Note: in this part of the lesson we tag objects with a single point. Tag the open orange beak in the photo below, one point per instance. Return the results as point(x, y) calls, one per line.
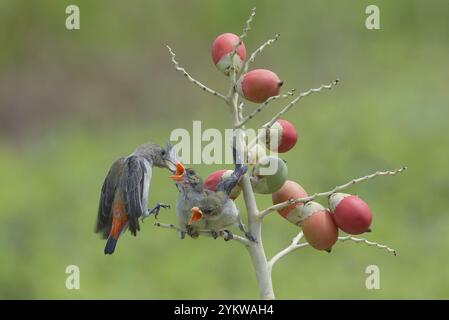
point(197, 215)
point(180, 171)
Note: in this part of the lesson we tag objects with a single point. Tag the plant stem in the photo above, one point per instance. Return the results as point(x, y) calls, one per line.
point(255, 249)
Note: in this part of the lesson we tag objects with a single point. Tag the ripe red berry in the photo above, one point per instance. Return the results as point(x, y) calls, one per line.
point(283, 136)
point(259, 85)
point(222, 49)
point(318, 226)
point(351, 213)
point(216, 177)
point(290, 190)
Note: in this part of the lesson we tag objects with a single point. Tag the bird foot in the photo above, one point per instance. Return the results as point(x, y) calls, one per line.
point(214, 234)
point(192, 233)
point(227, 235)
point(156, 210)
point(250, 237)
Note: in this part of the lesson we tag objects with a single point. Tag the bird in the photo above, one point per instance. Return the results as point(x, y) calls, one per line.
point(191, 191)
point(199, 210)
point(125, 191)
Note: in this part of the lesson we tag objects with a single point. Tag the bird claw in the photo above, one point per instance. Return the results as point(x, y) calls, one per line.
point(248, 234)
point(192, 233)
point(156, 209)
point(227, 235)
point(250, 237)
point(214, 234)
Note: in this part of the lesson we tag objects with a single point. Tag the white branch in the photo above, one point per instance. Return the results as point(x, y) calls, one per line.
point(240, 111)
point(295, 245)
point(294, 101)
point(248, 23)
point(287, 108)
point(257, 51)
point(263, 106)
point(189, 77)
point(292, 247)
point(243, 35)
point(369, 243)
point(287, 203)
point(222, 234)
point(168, 226)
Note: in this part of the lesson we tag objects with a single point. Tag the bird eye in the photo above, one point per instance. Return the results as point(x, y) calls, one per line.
point(163, 152)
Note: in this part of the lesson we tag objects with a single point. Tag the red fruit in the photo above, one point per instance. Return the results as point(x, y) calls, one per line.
point(222, 49)
point(318, 226)
point(283, 136)
point(351, 213)
point(259, 85)
point(290, 190)
point(216, 177)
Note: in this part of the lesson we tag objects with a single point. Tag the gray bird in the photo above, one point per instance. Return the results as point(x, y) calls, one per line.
point(124, 195)
point(199, 210)
point(191, 191)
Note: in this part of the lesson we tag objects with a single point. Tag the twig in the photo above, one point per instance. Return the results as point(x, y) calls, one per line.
point(293, 246)
point(294, 101)
point(237, 238)
point(259, 50)
point(263, 105)
point(296, 245)
point(222, 234)
point(248, 23)
point(168, 226)
point(240, 111)
point(369, 243)
point(243, 35)
point(189, 77)
point(288, 107)
point(287, 203)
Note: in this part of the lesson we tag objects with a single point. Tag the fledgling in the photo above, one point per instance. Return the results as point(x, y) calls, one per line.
point(125, 191)
point(191, 191)
point(199, 210)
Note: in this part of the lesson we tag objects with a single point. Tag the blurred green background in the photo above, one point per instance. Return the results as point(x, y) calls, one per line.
point(71, 102)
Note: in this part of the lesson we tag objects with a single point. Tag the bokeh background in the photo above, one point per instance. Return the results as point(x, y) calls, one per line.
point(71, 102)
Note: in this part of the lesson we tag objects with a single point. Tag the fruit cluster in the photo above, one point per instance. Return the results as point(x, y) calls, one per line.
point(320, 225)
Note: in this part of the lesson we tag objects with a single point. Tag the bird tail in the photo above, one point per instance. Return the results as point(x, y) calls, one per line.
point(239, 171)
point(110, 245)
point(238, 161)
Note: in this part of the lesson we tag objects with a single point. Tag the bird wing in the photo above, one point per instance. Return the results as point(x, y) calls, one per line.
point(136, 181)
point(105, 214)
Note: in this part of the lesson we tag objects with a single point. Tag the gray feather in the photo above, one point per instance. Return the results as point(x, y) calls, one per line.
point(226, 185)
point(104, 216)
point(133, 180)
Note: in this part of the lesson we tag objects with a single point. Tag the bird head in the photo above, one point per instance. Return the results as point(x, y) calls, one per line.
point(209, 208)
point(186, 176)
point(159, 156)
point(197, 215)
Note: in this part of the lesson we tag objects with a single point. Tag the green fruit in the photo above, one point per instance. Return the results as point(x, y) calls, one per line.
point(269, 175)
